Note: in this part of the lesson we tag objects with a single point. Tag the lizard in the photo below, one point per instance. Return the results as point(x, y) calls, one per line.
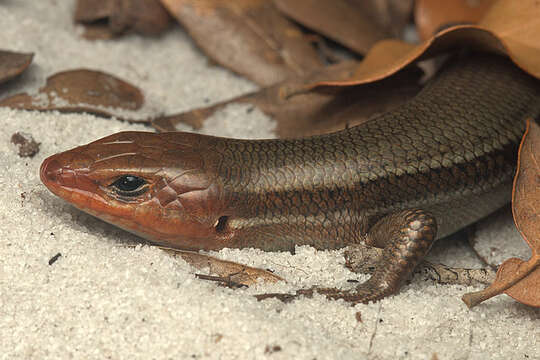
point(399, 181)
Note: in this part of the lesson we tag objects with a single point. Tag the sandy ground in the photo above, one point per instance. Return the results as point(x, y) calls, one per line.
point(103, 299)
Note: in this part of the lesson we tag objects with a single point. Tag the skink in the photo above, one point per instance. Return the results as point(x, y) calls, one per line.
point(399, 181)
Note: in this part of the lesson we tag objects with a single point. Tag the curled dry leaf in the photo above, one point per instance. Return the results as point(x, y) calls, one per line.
point(235, 272)
point(12, 64)
point(357, 25)
point(81, 90)
point(517, 278)
point(104, 19)
point(510, 27)
point(321, 111)
point(432, 16)
point(251, 37)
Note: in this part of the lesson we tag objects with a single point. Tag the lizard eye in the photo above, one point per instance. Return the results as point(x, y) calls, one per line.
point(129, 185)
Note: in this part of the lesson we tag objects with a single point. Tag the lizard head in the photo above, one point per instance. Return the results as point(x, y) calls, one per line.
point(161, 187)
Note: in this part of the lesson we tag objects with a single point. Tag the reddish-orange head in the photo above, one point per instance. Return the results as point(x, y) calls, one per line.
point(158, 186)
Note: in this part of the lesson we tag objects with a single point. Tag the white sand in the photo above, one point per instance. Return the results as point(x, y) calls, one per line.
point(101, 299)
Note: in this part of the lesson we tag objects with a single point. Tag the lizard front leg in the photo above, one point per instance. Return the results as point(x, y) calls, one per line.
point(406, 237)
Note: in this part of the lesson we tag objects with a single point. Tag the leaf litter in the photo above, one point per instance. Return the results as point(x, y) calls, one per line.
point(106, 19)
point(13, 64)
point(81, 90)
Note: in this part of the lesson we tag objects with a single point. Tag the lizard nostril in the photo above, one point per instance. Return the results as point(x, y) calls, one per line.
point(53, 172)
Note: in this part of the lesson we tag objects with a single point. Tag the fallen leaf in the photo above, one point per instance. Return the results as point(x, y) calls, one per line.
point(93, 15)
point(517, 24)
point(393, 15)
point(526, 291)
point(321, 111)
point(98, 31)
point(510, 27)
point(517, 278)
point(526, 211)
point(432, 16)
point(357, 25)
point(87, 11)
point(104, 19)
point(235, 272)
point(251, 37)
point(12, 64)
point(81, 91)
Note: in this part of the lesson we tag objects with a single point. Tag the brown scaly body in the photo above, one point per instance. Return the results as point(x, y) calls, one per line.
point(420, 172)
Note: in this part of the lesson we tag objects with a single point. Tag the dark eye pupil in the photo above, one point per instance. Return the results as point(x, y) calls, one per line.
point(128, 183)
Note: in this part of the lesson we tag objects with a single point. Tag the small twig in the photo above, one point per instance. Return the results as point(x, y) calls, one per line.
point(54, 258)
point(225, 281)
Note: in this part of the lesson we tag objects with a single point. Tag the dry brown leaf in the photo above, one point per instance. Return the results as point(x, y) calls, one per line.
point(94, 15)
point(357, 25)
point(517, 278)
point(510, 27)
point(251, 37)
point(432, 16)
point(98, 32)
point(324, 110)
point(87, 11)
point(393, 15)
point(104, 19)
point(227, 270)
point(81, 91)
point(12, 64)
point(517, 23)
point(526, 291)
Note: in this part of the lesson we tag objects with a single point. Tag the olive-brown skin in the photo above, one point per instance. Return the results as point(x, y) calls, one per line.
point(446, 159)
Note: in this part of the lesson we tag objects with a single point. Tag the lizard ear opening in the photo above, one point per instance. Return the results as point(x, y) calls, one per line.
point(221, 224)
